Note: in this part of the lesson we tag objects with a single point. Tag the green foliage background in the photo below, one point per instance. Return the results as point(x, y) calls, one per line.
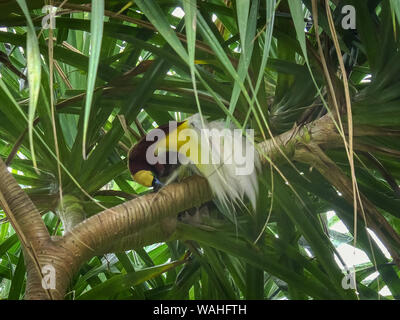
point(254, 63)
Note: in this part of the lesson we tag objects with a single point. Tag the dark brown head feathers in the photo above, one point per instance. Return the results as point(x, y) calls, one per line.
point(137, 156)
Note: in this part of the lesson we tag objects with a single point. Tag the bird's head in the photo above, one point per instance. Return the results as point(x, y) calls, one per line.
point(147, 178)
point(142, 172)
point(148, 174)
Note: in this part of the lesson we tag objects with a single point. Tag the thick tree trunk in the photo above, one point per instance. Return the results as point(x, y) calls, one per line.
point(29, 226)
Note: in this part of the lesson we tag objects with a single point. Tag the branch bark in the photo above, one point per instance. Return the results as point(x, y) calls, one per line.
point(29, 226)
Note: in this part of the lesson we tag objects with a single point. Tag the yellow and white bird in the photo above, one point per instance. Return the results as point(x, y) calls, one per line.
point(222, 155)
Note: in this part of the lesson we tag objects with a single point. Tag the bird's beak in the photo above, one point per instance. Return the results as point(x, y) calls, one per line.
point(157, 184)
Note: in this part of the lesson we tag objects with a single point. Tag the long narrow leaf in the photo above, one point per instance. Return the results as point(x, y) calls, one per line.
point(96, 30)
point(34, 72)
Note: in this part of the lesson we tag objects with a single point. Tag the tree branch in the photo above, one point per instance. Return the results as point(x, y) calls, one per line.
point(27, 223)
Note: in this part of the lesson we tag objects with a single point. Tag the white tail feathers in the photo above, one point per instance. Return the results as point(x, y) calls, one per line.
point(233, 162)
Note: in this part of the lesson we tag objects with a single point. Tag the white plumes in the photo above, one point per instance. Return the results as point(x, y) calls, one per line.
point(232, 164)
